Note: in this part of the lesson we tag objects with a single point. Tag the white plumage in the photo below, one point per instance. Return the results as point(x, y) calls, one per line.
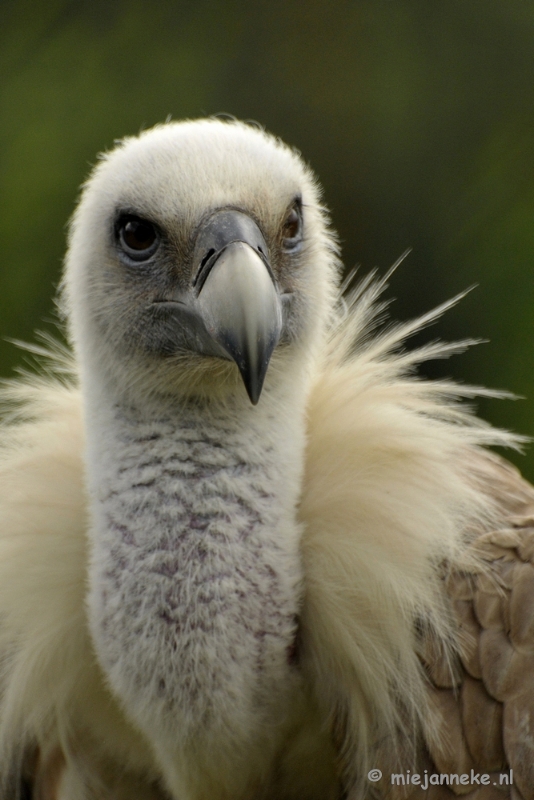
point(202, 597)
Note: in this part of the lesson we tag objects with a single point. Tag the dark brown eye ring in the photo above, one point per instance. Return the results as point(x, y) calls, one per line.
point(292, 228)
point(138, 238)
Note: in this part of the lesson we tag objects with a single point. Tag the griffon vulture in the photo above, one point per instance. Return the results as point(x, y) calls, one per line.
point(245, 553)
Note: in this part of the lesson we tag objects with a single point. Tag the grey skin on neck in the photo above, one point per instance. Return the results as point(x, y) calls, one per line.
point(195, 572)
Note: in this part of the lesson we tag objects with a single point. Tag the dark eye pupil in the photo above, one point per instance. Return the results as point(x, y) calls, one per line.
point(292, 225)
point(138, 234)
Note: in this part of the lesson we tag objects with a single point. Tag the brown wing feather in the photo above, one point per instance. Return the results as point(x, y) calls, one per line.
point(482, 706)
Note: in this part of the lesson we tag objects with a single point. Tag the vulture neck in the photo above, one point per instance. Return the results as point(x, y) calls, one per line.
point(195, 574)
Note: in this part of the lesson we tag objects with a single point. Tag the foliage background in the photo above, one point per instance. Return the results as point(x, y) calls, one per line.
point(418, 117)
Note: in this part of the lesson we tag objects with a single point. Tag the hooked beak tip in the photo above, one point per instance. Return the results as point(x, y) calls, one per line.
point(253, 378)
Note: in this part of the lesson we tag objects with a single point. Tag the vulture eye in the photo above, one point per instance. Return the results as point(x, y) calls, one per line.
point(292, 229)
point(137, 237)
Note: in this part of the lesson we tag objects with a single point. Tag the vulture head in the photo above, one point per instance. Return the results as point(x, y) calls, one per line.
point(198, 254)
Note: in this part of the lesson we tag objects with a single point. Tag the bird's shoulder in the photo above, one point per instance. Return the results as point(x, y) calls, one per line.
point(483, 704)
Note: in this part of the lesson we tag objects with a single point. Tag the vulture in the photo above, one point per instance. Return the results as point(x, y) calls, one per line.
point(247, 552)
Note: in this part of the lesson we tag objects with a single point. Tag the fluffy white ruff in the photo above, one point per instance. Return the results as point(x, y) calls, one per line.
point(388, 497)
point(51, 691)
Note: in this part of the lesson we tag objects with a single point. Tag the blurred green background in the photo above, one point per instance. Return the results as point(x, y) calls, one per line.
point(418, 117)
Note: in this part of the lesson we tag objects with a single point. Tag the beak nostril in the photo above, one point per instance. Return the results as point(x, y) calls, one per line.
point(203, 263)
point(206, 257)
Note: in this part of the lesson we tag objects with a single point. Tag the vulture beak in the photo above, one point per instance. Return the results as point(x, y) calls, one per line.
point(233, 309)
